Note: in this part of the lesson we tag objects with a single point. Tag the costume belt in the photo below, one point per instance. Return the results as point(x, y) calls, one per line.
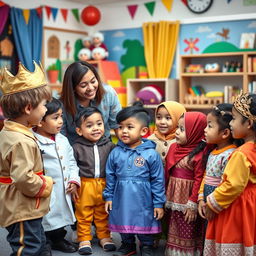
point(8, 180)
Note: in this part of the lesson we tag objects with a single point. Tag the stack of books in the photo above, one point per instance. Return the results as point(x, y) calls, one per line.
point(230, 93)
point(196, 90)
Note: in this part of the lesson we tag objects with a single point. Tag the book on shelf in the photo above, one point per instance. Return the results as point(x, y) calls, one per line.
point(249, 64)
point(252, 87)
point(254, 64)
point(230, 93)
point(196, 90)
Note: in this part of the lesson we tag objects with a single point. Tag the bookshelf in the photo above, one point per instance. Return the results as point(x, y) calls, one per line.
point(215, 81)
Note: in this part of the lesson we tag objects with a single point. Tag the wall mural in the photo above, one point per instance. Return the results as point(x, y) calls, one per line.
point(198, 38)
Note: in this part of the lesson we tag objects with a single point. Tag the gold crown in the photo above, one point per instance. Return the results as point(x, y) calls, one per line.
point(242, 105)
point(23, 81)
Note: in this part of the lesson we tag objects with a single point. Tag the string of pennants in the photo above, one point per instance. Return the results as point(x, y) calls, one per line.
point(49, 10)
point(150, 6)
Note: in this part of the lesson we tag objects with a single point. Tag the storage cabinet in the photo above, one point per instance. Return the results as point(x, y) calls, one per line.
point(214, 81)
point(169, 86)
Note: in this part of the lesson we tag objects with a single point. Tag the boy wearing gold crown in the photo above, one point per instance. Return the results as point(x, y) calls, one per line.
point(24, 190)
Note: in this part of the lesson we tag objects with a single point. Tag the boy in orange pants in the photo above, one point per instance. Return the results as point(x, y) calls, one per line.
point(91, 151)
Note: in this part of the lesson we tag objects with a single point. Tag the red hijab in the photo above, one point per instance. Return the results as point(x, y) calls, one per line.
point(195, 123)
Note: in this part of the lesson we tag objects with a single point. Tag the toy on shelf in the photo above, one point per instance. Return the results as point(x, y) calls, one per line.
point(97, 41)
point(202, 100)
point(84, 54)
point(232, 67)
point(87, 42)
point(194, 68)
point(99, 53)
point(151, 94)
point(212, 68)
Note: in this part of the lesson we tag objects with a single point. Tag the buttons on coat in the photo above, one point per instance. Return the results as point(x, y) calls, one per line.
point(61, 157)
point(163, 153)
point(166, 144)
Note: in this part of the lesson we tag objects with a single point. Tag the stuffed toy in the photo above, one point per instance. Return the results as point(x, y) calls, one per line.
point(84, 54)
point(212, 68)
point(99, 53)
point(150, 94)
point(97, 41)
point(87, 42)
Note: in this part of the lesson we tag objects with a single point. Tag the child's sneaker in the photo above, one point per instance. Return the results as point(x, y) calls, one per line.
point(85, 248)
point(126, 250)
point(146, 250)
point(107, 244)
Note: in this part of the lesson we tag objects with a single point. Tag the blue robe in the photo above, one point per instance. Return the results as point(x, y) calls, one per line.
point(135, 185)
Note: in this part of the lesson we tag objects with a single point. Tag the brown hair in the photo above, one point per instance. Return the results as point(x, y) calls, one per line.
point(72, 78)
point(13, 105)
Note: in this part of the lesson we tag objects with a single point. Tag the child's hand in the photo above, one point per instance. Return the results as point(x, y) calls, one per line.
point(209, 213)
point(190, 215)
point(108, 206)
point(158, 213)
point(201, 208)
point(72, 188)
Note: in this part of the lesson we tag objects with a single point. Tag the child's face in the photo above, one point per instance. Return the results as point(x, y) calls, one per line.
point(180, 133)
point(92, 128)
point(239, 129)
point(164, 122)
point(51, 124)
point(211, 132)
point(88, 86)
point(130, 132)
point(35, 115)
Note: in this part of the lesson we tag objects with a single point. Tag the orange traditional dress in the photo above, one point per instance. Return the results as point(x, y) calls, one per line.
point(233, 230)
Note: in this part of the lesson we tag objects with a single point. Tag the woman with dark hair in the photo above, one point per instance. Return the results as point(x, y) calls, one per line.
point(82, 87)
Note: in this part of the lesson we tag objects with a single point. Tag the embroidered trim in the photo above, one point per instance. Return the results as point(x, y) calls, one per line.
point(213, 248)
point(192, 205)
point(175, 206)
point(213, 203)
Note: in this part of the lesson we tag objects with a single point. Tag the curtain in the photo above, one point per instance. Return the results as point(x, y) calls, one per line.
point(27, 37)
point(4, 13)
point(160, 39)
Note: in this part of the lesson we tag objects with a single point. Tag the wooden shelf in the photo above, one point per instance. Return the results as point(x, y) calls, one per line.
point(240, 79)
point(212, 74)
point(169, 86)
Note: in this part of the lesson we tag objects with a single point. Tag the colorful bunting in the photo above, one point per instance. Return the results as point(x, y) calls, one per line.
point(48, 11)
point(167, 4)
point(132, 9)
point(64, 13)
point(26, 15)
point(39, 11)
point(150, 7)
point(54, 12)
point(76, 14)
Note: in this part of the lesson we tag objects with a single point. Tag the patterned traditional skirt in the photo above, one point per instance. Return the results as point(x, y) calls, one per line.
point(183, 239)
point(233, 231)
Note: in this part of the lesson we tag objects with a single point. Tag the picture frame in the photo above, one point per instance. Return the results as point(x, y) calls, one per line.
point(247, 41)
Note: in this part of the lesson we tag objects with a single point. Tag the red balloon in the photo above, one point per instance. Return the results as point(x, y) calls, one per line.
point(90, 15)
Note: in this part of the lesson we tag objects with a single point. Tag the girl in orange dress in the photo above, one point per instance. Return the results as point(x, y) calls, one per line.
point(231, 208)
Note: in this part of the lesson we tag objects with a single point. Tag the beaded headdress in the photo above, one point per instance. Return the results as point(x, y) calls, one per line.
point(23, 81)
point(242, 105)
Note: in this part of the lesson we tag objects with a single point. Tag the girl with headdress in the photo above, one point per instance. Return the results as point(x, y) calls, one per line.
point(185, 167)
point(231, 208)
point(166, 120)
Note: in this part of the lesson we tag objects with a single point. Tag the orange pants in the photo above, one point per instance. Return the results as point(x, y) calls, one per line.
point(91, 207)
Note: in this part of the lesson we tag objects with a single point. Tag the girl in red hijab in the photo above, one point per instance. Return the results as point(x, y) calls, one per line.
point(185, 165)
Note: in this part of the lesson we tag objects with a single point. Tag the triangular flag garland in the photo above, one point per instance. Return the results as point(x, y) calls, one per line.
point(54, 13)
point(39, 11)
point(167, 4)
point(132, 9)
point(26, 15)
point(48, 11)
point(150, 7)
point(76, 14)
point(64, 13)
